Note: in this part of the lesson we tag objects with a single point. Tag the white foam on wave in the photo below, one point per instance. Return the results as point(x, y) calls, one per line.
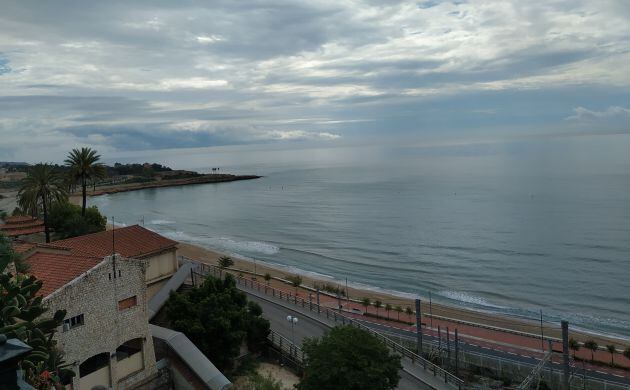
point(225, 243)
point(161, 222)
point(464, 297)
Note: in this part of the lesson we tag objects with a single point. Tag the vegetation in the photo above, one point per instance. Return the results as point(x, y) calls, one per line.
point(267, 278)
point(612, 349)
point(217, 318)
point(255, 381)
point(84, 168)
point(366, 302)
point(592, 345)
point(349, 358)
point(295, 280)
point(67, 221)
point(388, 308)
point(408, 311)
point(377, 304)
point(225, 262)
point(21, 318)
point(399, 310)
point(330, 288)
point(574, 345)
point(626, 352)
point(40, 189)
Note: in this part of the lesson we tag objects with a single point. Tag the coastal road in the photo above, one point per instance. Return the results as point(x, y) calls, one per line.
point(280, 310)
point(307, 327)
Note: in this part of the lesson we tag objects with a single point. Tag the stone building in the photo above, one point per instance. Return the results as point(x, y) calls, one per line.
point(105, 335)
point(134, 242)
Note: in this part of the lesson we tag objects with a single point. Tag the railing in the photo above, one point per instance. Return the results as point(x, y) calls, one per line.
point(331, 315)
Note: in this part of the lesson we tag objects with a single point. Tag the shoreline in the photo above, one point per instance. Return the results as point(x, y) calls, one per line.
point(355, 292)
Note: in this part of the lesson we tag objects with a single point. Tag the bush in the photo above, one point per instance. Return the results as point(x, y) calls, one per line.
point(66, 220)
point(349, 358)
point(217, 318)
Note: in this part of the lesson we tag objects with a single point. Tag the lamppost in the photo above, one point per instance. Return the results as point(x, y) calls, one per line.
point(293, 320)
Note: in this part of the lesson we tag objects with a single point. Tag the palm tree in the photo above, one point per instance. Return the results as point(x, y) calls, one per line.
point(84, 167)
point(296, 281)
point(377, 304)
point(592, 345)
point(41, 187)
point(225, 262)
point(574, 345)
point(399, 310)
point(408, 311)
point(267, 278)
point(612, 349)
point(366, 302)
point(388, 308)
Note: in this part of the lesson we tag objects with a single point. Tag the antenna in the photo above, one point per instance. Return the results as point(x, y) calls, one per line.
point(114, 245)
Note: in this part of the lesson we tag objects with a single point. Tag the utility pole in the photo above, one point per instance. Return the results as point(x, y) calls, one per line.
point(347, 295)
point(318, 307)
point(565, 354)
point(542, 334)
point(430, 310)
point(456, 353)
point(419, 327)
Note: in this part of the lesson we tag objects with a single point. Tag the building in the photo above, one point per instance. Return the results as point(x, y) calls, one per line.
point(105, 335)
point(160, 253)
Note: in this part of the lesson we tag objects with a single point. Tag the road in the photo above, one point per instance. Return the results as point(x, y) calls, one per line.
point(307, 327)
point(475, 346)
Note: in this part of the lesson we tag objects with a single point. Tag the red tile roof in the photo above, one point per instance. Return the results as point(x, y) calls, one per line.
point(56, 270)
point(22, 247)
point(21, 226)
point(14, 219)
point(132, 241)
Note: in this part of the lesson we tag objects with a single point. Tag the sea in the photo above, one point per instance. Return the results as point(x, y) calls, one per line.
point(516, 227)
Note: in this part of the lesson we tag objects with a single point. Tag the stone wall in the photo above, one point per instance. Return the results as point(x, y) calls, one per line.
point(96, 295)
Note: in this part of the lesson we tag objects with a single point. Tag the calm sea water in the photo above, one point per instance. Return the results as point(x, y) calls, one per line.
point(508, 228)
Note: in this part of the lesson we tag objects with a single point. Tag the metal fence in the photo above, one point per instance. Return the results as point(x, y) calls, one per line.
point(464, 360)
point(334, 316)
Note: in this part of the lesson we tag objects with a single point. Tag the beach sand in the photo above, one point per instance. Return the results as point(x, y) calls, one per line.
point(243, 265)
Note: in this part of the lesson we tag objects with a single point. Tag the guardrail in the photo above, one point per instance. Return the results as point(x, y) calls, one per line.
point(336, 316)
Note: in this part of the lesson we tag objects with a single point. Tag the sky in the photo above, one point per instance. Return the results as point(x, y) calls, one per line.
point(124, 76)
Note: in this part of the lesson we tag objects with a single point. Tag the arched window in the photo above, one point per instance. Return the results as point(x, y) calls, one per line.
point(93, 364)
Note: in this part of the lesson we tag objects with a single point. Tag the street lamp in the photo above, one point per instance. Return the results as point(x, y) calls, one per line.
point(293, 320)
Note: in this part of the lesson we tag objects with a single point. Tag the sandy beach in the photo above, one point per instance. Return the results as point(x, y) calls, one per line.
point(244, 265)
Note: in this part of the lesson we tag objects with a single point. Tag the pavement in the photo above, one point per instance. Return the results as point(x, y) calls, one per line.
point(276, 313)
point(517, 348)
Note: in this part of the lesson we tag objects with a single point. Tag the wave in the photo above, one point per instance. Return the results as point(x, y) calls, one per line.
point(161, 222)
point(225, 243)
point(464, 297)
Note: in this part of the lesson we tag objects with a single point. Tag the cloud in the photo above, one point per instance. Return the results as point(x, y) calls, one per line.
point(147, 74)
point(614, 112)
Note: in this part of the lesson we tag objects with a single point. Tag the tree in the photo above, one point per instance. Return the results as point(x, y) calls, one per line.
point(399, 310)
point(388, 308)
point(409, 311)
point(40, 189)
point(84, 167)
point(612, 349)
point(592, 345)
point(574, 345)
point(366, 302)
point(377, 304)
point(23, 317)
point(348, 358)
point(217, 318)
point(225, 262)
point(66, 220)
point(296, 281)
point(626, 352)
point(267, 278)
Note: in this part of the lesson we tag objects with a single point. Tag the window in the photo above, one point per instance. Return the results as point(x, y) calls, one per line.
point(127, 303)
point(93, 364)
point(73, 322)
point(128, 349)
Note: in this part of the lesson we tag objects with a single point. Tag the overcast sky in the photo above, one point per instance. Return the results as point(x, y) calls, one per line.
point(125, 76)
